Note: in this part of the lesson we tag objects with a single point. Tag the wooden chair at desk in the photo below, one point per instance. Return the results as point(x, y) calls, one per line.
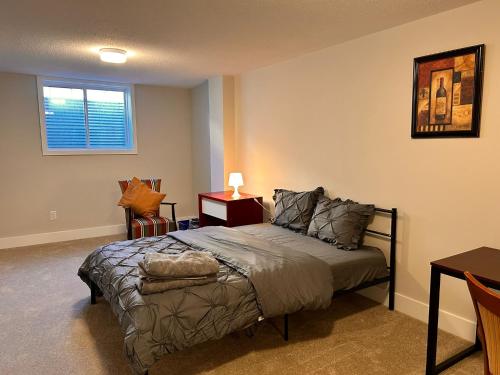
point(487, 306)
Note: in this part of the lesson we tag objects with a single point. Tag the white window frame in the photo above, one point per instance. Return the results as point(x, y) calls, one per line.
point(90, 85)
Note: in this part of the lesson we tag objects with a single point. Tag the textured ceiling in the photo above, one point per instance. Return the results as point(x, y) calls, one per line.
point(183, 42)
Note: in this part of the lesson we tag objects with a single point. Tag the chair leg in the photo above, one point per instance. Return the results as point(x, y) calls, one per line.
point(128, 212)
point(173, 217)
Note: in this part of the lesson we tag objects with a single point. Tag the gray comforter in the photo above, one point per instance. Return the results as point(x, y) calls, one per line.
point(256, 278)
point(285, 280)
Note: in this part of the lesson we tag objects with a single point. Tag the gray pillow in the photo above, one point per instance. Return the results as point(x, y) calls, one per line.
point(294, 210)
point(342, 223)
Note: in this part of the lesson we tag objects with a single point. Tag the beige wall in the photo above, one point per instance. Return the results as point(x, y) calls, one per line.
point(83, 189)
point(216, 123)
point(200, 139)
point(341, 118)
point(228, 103)
point(213, 133)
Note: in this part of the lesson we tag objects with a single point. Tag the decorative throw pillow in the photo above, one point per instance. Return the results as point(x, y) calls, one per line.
point(342, 223)
point(130, 193)
point(294, 210)
point(141, 199)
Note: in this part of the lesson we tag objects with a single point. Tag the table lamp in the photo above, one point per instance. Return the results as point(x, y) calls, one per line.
point(235, 180)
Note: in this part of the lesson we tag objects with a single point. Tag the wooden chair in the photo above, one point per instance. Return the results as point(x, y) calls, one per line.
point(157, 225)
point(487, 306)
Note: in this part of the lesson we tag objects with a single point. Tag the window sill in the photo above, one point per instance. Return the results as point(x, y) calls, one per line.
point(88, 152)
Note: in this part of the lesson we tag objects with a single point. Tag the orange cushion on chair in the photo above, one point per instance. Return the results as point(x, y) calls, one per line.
point(141, 199)
point(130, 194)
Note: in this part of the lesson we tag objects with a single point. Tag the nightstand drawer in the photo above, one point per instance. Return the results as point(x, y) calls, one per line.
point(214, 208)
point(221, 208)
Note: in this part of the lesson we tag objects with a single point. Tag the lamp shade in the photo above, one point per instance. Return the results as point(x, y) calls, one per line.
point(235, 179)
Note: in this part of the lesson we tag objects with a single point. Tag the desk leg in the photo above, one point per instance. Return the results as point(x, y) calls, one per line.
point(432, 332)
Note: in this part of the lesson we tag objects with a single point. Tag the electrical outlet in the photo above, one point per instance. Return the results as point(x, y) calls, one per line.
point(53, 215)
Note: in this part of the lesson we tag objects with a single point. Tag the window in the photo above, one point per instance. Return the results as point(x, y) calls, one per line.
point(81, 117)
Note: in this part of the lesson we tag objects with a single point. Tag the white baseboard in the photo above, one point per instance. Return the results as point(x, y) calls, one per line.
point(65, 235)
point(449, 322)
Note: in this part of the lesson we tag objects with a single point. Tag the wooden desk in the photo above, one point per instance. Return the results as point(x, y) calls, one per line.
point(484, 264)
point(220, 208)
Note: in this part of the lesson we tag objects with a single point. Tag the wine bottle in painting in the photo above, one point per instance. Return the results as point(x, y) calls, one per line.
point(441, 102)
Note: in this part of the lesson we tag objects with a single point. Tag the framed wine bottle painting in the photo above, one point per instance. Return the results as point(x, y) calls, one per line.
point(447, 90)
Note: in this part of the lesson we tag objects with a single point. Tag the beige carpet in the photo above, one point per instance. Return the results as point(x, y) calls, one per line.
point(47, 326)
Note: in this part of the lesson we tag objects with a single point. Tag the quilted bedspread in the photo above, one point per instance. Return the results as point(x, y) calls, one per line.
point(161, 323)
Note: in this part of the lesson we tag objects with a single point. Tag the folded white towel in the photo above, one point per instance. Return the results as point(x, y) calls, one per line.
point(187, 264)
point(162, 285)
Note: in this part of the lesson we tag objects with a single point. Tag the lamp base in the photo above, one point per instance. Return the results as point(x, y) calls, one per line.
point(236, 193)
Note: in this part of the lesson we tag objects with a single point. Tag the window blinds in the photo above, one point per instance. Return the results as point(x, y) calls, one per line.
point(87, 118)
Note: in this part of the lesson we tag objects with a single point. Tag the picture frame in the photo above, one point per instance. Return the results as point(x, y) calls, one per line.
point(447, 91)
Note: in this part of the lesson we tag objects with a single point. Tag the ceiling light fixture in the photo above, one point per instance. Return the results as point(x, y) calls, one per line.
point(113, 55)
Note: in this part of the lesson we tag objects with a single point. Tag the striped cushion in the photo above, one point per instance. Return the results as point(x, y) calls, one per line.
point(149, 226)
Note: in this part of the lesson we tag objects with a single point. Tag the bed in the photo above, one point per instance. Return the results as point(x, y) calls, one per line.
point(161, 323)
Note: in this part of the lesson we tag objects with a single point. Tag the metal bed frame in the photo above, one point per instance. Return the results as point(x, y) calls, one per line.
point(391, 278)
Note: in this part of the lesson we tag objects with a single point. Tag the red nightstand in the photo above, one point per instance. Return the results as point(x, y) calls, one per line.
point(221, 208)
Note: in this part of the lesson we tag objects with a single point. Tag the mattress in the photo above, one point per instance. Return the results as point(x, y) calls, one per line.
point(349, 268)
